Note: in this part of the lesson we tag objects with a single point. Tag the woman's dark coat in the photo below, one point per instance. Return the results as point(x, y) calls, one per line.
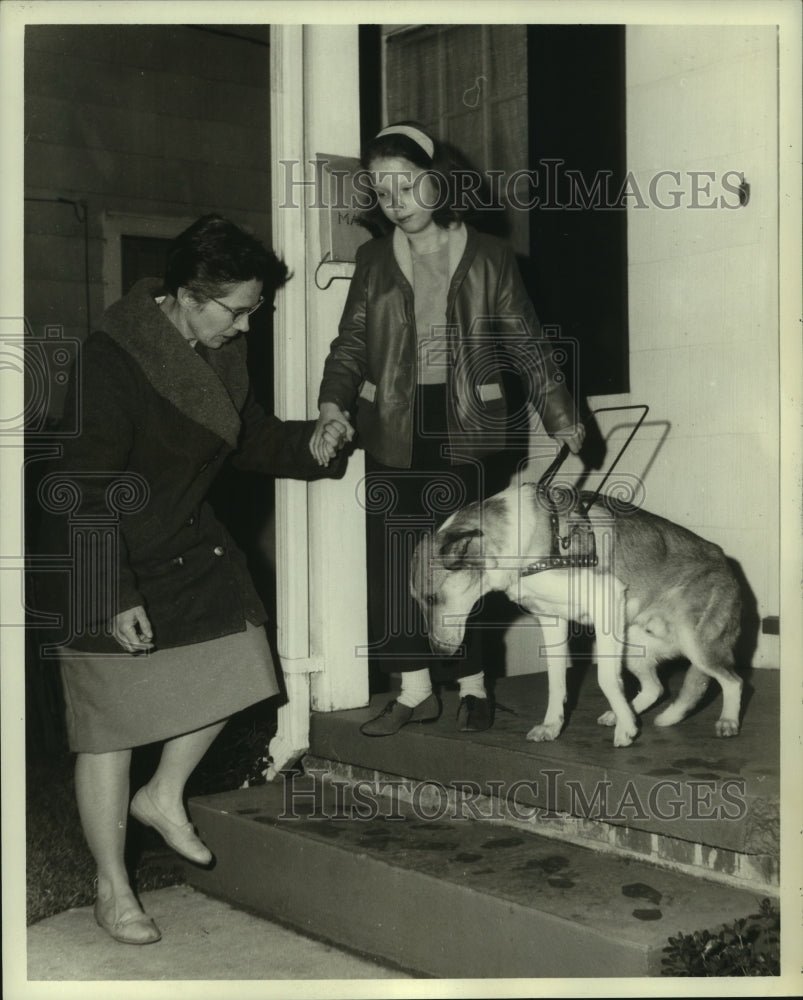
point(126, 501)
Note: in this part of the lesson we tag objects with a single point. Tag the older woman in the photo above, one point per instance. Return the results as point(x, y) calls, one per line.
point(170, 642)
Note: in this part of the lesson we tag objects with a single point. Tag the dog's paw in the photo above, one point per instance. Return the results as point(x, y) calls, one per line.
point(727, 727)
point(624, 735)
point(545, 732)
point(607, 718)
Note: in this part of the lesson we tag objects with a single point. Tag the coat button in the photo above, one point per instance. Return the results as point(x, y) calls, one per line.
point(219, 550)
point(190, 520)
point(178, 561)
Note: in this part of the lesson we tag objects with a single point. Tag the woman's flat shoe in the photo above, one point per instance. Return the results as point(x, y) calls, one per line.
point(133, 927)
point(180, 836)
point(395, 715)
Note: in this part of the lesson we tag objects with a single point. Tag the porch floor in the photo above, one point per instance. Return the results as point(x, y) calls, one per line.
point(682, 782)
point(399, 876)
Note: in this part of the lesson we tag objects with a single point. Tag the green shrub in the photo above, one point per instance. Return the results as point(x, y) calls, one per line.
point(750, 946)
point(239, 757)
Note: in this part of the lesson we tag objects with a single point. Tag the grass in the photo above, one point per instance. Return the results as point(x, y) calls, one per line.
point(60, 868)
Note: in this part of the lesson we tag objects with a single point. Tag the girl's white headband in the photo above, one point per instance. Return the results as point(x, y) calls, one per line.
point(419, 138)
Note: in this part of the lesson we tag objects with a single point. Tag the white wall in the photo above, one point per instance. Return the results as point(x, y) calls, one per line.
point(703, 295)
point(704, 289)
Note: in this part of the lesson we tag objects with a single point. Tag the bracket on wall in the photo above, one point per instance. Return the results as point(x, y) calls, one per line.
point(336, 269)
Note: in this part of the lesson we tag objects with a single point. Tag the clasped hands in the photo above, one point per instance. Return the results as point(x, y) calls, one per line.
point(332, 431)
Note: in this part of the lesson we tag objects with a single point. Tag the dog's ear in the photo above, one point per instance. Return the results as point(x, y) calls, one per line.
point(463, 549)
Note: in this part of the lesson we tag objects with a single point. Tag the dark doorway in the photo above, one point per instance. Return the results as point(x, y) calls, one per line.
point(578, 234)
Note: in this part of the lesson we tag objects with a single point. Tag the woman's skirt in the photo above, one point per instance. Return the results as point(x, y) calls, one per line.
point(114, 702)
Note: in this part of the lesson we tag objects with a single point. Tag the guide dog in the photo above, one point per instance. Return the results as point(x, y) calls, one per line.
point(653, 591)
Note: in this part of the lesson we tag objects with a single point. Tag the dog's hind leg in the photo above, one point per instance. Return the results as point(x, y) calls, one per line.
point(609, 623)
point(557, 659)
point(704, 666)
point(728, 722)
point(707, 637)
point(708, 659)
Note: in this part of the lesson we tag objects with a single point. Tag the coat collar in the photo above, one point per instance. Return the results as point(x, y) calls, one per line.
point(210, 392)
point(457, 239)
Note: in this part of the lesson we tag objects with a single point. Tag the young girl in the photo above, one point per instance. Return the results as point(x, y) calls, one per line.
point(433, 311)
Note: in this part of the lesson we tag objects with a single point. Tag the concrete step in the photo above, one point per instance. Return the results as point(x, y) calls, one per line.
point(679, 797)
point(446, 897)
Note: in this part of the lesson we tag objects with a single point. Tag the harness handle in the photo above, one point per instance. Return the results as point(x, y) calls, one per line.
point(610, 409)
point(556, 463)
point(560, 458)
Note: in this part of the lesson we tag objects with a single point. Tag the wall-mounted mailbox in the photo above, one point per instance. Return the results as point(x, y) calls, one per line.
point(340, 213)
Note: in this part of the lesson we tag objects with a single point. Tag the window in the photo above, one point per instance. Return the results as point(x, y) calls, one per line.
point(133, 248)
point(141, 257)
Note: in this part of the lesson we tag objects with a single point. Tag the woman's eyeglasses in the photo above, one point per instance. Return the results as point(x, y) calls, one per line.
point(239, 313)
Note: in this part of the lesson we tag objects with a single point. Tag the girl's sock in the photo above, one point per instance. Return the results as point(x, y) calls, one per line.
point(475, 684)
point(416, 687)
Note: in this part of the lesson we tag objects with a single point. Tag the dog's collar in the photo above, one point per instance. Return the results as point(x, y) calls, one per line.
point(558, 562)
point(578, 544)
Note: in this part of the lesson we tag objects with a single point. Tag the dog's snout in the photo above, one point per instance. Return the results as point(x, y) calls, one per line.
point(442, 648)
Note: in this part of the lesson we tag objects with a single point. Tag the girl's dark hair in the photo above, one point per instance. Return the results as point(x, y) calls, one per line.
point(444, 162)
point(214, 253)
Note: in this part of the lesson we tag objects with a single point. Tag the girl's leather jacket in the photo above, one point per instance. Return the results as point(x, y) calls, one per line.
point(492, 330)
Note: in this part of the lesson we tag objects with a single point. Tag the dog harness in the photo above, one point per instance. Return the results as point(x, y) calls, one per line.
point(577, 548)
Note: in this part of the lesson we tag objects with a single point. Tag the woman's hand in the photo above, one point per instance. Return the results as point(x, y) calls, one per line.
point(331, 432)
point(132, 630)
point(572, 436)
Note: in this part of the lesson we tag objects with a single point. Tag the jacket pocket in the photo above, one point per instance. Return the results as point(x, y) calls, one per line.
point(490, 392)
point(368, 391)
point(156, 568)
point(482, 409)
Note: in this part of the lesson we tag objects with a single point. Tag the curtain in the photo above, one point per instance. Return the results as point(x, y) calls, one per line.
point(468, 85)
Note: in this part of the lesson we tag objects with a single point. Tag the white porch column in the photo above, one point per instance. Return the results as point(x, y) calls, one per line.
point(338, 592)
point(320, 532)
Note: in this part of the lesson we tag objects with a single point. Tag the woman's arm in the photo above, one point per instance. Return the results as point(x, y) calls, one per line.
point(283, 448)
point(344, 368)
